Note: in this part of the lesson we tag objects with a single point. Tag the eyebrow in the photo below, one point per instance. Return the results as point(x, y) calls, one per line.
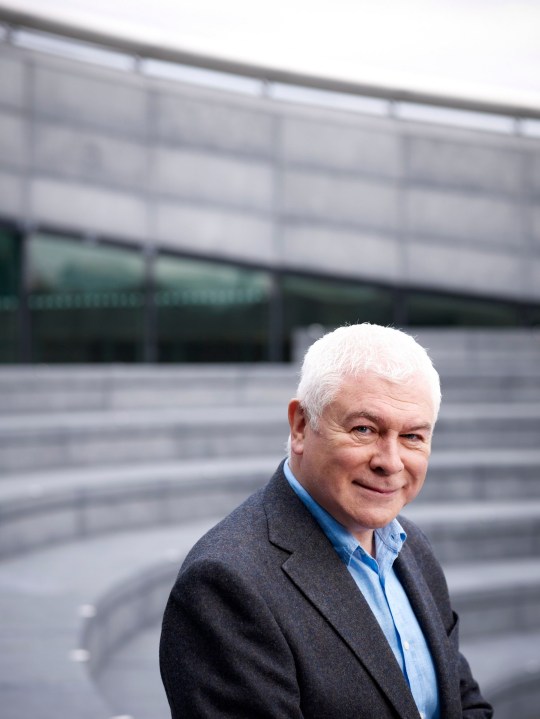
point(361, 414)
point(376, 419)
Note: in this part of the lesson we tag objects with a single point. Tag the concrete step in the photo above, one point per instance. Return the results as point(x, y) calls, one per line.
point(515, 350)
point(497, 386)
point(46, 599)
point(131, 682)
point(499, 604)
point(472, 531)
point(498, 596)
point(512, 688)
point(55, 506)
point(99, 438)
point(39, 389)
point(60, 506)
point(468, 474)
point(478, 340)
point(488, 424)
point(506, 666)
point(497, 473)
point(69, 439)
point(79, 603)
point(43, 389)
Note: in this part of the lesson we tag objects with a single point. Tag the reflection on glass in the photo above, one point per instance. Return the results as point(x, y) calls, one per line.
point(86, 301)
point(10, 274)
point(433, 310)
point(330, 303)
point(89, 302)
point(533, 316)
point(210, 312)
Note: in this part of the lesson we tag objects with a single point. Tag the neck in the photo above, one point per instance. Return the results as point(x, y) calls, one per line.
point(367, 541)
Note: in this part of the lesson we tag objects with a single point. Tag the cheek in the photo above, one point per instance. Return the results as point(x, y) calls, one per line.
point(418, 471)
point(352, 456)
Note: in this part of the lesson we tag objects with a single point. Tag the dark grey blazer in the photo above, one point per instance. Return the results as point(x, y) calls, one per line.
point(265, 621)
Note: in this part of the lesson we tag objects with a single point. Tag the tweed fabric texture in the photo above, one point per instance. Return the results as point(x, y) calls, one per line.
point(265, 622)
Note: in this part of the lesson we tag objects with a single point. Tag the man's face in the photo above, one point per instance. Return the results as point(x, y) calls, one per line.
point(369, 455)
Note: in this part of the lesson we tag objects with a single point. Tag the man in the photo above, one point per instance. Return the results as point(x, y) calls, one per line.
point(311, 600)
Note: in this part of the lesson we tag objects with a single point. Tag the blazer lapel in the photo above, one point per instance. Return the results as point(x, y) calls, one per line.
point(429, 619)
point(321, 576)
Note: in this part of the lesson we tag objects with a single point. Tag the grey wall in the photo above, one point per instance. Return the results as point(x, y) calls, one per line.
point(106, 152)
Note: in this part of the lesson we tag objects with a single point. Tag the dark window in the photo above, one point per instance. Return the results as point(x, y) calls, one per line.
point(210, 312)
point(308, 301)
point(101, 302)
point(86, 301)
point(10, 286)
point(433, 310)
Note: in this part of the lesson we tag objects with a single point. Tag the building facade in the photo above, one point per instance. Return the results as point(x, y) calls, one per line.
point(150, 214)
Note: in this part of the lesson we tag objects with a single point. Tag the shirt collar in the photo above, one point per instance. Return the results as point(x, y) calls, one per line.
point(388, 539)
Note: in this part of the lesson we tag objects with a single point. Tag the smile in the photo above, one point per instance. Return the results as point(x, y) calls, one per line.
point(377, 490)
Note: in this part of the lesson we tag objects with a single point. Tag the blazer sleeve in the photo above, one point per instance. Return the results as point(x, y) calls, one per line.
point(222, 653)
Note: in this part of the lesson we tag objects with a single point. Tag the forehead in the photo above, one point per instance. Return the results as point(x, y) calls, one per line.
point(371, 392)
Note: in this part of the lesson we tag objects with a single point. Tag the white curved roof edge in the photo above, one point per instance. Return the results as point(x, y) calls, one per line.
point(524, 106)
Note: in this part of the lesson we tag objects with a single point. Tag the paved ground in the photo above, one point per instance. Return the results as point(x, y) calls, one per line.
point(40, 623)
point(132, 683)
point(41, 593)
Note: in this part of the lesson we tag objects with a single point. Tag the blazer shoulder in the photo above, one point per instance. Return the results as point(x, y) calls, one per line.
point(266, 527)
point(238, 529)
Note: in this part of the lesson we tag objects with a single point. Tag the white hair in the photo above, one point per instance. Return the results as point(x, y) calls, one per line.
point(354, 350)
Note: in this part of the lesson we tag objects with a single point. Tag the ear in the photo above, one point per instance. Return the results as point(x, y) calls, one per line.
point(297, 423)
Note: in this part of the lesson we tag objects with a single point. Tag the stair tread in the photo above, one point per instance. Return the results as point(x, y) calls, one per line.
point(71, 421)
point(489, 576)
point(480, 512)
point(77, 568)
point(489, 456)
point(75, 419)
point(498, 658)
point(47, 483)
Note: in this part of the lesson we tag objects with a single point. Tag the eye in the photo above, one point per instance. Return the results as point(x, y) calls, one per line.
point(363, 429)
point(412, 437)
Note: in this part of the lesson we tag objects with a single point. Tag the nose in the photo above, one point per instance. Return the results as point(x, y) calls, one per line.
point(386, 458)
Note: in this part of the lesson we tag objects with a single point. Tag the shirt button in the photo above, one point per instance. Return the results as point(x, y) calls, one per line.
point(406, 646)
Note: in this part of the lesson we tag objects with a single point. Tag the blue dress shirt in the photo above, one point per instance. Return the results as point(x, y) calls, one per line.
point(377, 581)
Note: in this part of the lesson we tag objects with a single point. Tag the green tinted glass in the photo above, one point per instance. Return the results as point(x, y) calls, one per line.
point(10, 277)
point(86, 301)
point(440, 311)
point(210, 312)
point(308, 301)
point(331, 303)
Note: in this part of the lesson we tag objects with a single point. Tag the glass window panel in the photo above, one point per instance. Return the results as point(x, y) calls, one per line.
point(210, 312)
point(10, 277)
point(532, 316)
point(439, 310)
point(86, 301)
point(330, 303)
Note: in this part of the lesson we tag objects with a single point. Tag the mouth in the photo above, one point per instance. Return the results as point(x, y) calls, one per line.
point(380, 491)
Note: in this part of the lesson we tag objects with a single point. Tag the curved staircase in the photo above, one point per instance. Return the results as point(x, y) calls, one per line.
point(109, 474)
